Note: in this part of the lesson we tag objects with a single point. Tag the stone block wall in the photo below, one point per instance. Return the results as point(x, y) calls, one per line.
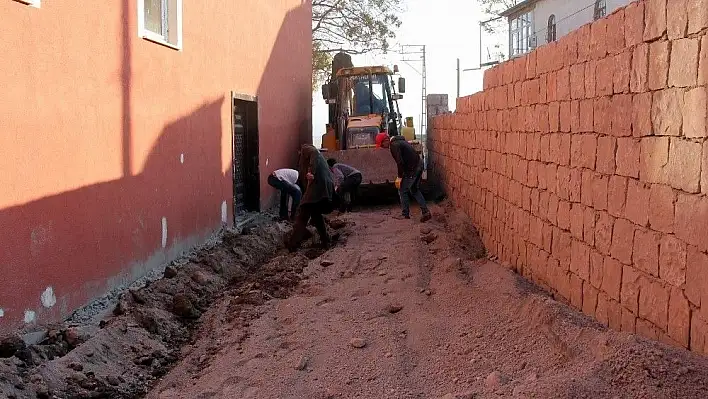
point(584, 165)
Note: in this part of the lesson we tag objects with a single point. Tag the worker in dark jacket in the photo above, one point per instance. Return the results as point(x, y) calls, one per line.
point(316, 179)
point(347, 180)
point(410, 171)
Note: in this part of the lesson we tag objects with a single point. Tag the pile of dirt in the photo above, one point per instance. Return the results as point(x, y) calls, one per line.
point(466, 237)
point(127, 352)
point(531, 346)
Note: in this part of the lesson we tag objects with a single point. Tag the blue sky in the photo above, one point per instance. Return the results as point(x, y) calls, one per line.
point(450, 30)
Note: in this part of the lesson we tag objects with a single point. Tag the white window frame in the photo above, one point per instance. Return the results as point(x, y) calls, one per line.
point(600, 9)
point(520, 33)
point(154, 37)
point(33, 3)
point(551, 29)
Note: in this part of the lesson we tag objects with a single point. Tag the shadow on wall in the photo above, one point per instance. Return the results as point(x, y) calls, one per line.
point(285, 99)
point(63, 250)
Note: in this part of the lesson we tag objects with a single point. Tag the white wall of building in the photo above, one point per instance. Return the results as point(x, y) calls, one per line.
point(570, 15)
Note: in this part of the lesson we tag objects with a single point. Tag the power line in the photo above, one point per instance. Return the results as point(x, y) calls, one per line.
point(537, 33)
point(566, 17)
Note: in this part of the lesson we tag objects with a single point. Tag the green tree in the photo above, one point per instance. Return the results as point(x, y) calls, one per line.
point(352, 26)
point(321, 65)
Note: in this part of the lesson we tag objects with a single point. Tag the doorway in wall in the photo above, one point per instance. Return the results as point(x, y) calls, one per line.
point(246, 175)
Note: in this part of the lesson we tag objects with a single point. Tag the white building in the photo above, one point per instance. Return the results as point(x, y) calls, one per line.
point(533, 23)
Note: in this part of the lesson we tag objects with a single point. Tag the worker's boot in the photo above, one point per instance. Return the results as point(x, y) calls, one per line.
point(426, 216)
point(307, 235)
point(325, 240)
point(291, 242)
point(344, 202)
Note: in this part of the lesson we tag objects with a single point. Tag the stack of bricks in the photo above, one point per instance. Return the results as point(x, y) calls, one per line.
point(584, 165)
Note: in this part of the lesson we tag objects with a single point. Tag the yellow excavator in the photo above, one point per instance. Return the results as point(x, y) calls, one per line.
point(363, 102)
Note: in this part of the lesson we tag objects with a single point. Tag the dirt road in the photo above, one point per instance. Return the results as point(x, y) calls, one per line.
point(404, 310)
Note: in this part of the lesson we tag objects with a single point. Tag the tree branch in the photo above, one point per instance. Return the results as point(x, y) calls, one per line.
point(325, 14)
point(353, 27)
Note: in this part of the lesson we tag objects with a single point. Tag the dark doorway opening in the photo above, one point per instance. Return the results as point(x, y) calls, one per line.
point(246, 174)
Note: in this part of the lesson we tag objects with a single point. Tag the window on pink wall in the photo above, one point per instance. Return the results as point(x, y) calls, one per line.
point(160, 21)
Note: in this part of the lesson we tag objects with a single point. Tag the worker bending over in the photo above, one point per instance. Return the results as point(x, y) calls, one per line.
point(346, 183)
point(410, 171)
point(285, 180)
point(317, 199)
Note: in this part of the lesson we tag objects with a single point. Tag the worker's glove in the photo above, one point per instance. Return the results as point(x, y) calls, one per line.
point(397, 182)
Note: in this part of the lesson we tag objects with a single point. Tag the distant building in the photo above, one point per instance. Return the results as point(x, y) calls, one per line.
point(533, 23)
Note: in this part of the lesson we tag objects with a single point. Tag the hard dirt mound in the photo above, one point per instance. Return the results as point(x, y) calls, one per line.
point(127, 352)
point(404, 310)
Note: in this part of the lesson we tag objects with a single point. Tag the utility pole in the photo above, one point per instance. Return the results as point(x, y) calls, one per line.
point(489, 61)
point(482, 63)
point(420, 51)
point(458, 78)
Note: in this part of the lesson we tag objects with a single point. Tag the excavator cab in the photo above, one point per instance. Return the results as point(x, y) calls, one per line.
point(363, 102)
point(366, 103)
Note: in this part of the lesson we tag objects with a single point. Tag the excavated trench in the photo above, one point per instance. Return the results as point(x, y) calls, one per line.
point(124, 354)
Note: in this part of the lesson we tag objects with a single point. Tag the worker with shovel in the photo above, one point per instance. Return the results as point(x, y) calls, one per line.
point(316, 179)
point(410, 171)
